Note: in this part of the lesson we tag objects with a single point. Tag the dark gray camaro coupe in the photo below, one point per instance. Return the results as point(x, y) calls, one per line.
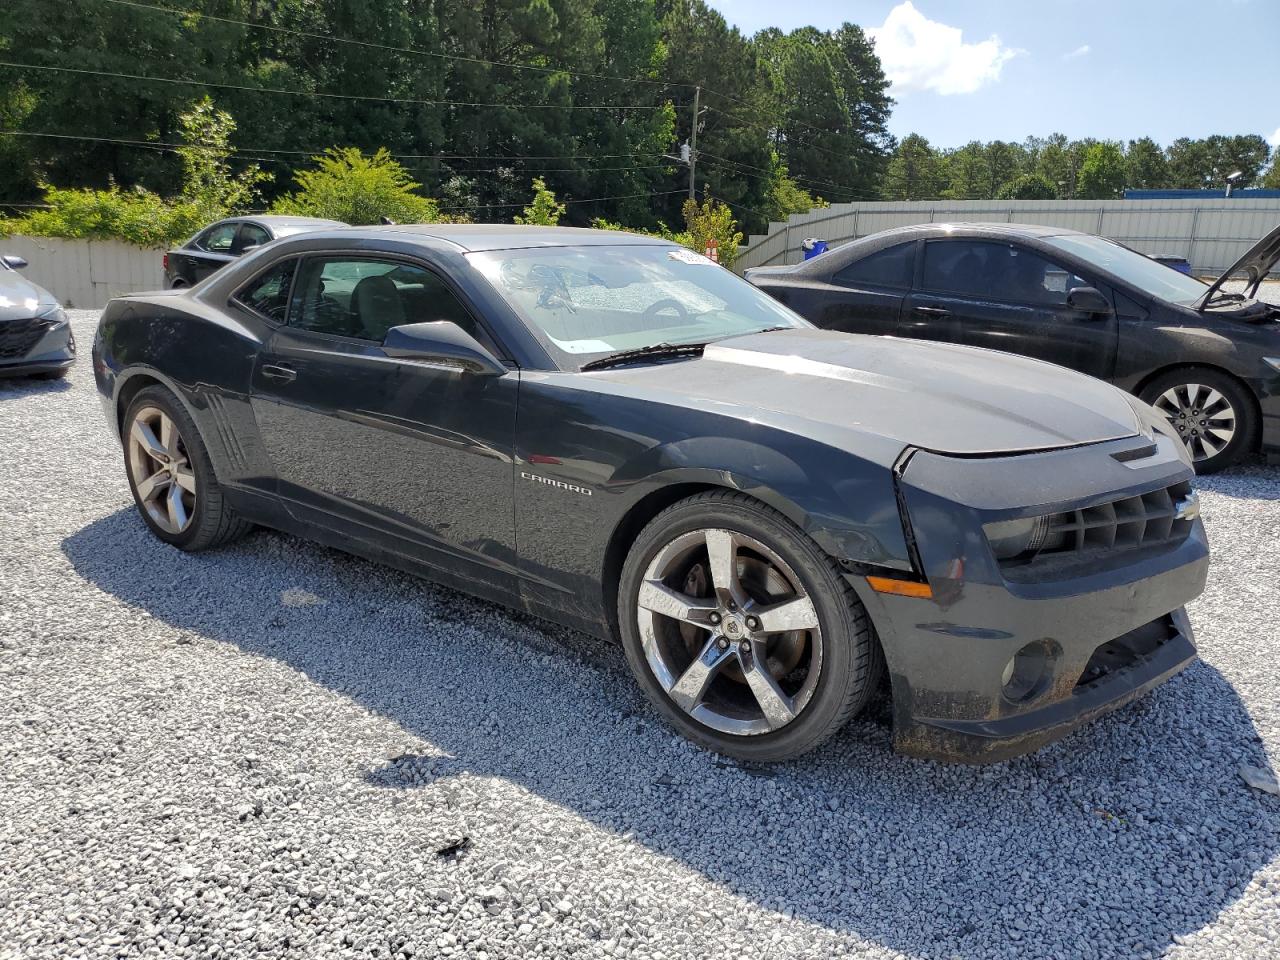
point(614, 433)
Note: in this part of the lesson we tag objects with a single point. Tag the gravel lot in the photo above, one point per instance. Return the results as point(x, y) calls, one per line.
point(274, 749)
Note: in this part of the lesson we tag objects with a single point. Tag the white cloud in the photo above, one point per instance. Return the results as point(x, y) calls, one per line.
point(1080, 51)
point(1274, 139)
point(921, 54)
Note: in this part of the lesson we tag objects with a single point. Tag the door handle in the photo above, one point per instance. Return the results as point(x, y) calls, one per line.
point(933, 311)
point(279, 371)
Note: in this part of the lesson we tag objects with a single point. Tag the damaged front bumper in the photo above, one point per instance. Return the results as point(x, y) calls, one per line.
point(1003, 659)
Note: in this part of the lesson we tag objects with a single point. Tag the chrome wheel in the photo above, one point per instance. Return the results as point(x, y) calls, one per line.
point(729, 632)
point(161, 470)
point(1203, 417)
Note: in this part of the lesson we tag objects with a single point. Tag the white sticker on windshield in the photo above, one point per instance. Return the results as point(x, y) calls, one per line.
point(688, 256)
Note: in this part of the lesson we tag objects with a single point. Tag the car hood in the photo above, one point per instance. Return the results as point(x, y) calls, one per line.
point(940, 397)
point(1255, 265)
point(20, 298)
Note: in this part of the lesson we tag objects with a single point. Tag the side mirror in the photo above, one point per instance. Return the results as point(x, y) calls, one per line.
point(442, 342)
point(1088, 300)
point(13, 261)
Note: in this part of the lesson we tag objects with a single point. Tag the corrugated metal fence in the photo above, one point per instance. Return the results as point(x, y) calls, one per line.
point(1211, 234)
point(87, 273)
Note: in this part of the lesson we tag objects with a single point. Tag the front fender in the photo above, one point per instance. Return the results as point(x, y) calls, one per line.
point(847, 505)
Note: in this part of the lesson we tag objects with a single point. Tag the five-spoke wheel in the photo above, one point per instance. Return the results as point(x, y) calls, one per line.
point(161, 469)
point(740, 629)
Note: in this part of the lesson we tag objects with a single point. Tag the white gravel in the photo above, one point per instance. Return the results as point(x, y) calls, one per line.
point(263, 750)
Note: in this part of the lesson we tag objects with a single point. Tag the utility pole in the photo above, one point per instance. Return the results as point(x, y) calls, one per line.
point(693, 143)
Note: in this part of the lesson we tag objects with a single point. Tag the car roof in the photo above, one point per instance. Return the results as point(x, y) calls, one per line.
point(475, 237)
point(977, 229)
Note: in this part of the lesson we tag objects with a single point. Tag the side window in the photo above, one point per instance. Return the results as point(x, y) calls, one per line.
point(366, 298)
point(890, 267)
point(218, 238)
point(252, 235)
point(268, 293)
point(998, 271)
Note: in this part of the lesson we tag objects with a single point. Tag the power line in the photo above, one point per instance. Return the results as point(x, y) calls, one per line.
point(852, 191)
point(254, 152)
point(331, 96)
point(525, 203)
point(390, 47)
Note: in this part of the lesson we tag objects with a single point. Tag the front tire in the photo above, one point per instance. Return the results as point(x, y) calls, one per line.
point(1212, 412)
point(742, 631)
point(171, 477)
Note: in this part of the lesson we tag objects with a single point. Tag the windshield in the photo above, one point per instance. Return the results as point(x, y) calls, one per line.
point(1143, 272)
point(589, 302)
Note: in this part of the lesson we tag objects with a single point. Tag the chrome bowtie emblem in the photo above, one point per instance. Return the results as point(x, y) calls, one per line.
point(1188, 508)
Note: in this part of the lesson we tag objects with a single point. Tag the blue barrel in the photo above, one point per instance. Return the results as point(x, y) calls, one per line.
point(813, 246)
point(1181, 264)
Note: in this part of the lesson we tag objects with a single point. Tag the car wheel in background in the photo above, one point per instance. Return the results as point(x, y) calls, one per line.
point(742, 631)
point(171, 476)
point(1212, 412)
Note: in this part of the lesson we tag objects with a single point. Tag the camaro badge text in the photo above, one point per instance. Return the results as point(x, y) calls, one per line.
point(558, 484)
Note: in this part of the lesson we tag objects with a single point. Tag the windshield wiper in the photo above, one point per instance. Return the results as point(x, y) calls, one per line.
point(656, 351)
point(1221, 297)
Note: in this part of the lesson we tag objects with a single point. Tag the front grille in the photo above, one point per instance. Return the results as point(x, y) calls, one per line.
point(17, 337)
point(1100, 537)
point(1149, 519)
point(1126, 650)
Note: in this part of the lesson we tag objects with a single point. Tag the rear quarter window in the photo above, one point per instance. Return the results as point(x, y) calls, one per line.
point(890, 267)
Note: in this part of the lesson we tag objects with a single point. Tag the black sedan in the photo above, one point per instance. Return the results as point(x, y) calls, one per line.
point(617, 434)
point(35, 335)
point(219, 243)
point(1206, 357)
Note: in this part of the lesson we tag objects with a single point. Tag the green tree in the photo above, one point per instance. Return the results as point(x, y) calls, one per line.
point(208, 182)
point(346, 185)
point(544, 210)
point(915, 171)
point(1028, 186)
point(1145, 165)
point(1102, 172)
point(711, 220)
point(968, 173)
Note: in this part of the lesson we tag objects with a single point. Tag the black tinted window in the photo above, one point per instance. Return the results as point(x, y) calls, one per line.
point(890, 267)
point(218, 238)
point(268, 293)
point(999, 271)
point(252, 235)
point(366, 298)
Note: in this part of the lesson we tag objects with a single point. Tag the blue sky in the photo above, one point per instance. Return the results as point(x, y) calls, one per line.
point(1116, 69)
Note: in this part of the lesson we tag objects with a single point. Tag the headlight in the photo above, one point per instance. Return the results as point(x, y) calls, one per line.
point(57, 315)
point(1013, 538)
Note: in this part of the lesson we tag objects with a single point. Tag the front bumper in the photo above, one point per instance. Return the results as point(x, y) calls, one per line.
point(26, 353)
point(947, 655)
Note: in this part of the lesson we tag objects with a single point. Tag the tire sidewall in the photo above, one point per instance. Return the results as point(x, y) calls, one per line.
point(840, 630)
point(197, 456)
point(1237, 395)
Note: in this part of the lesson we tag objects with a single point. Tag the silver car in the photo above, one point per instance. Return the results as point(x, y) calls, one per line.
point(35, 334)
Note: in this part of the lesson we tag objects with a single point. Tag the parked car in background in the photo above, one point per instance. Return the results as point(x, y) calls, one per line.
point(219, 243)
point(1205, 357)
point(35, 334)
point(616, 434)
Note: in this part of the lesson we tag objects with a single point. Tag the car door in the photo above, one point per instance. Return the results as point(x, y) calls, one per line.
point(1005, 296)
point(207, 252)
point(414, 458)
point(863, 296)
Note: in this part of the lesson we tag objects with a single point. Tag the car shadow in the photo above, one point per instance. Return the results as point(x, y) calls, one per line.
point(13, 386)
point(1138, 820)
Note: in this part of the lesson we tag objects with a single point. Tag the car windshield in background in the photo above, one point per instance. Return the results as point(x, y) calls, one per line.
point(589, 302)
point(1143, 272)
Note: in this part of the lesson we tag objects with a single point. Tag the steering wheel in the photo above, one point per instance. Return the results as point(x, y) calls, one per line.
point(651, 312)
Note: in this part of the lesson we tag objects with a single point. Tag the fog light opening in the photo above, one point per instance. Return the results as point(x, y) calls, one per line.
point(1028, 672)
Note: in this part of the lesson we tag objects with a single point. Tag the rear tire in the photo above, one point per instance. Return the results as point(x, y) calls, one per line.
point(762, 656)
point(171, 476)
point(1212, 411)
